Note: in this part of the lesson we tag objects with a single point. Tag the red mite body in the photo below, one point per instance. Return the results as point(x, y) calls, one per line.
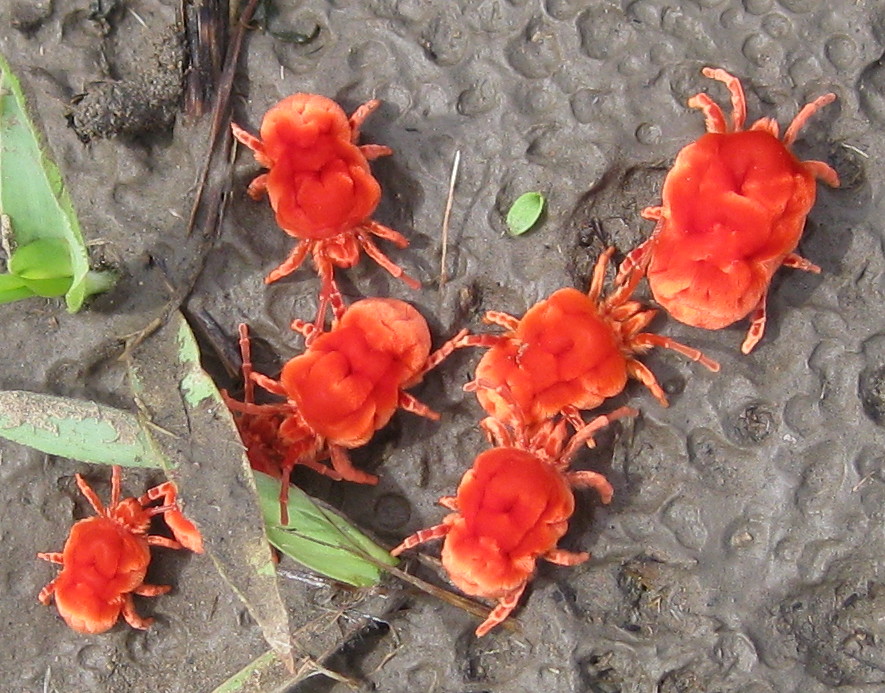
point(734, 208)
point(320, 186)
point(105, 558)
point(511, 509)
point(569, 352)
point(345, 386)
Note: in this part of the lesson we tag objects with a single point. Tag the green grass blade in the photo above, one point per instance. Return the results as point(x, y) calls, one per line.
point(32, 192)
point(77, 429)
point(318, 538)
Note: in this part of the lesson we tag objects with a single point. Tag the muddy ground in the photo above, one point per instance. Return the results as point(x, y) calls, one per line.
point(743, 549)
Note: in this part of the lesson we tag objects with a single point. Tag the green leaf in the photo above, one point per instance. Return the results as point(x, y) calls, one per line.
point(48, 288)
point(319, 538)
point(13, 288)
point(77, 429)
point(32, 193)
point(46, 258)
point(525, 212)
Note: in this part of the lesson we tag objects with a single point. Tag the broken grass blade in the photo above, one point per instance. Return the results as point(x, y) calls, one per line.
point(203, 455)
point(77, 429)
point(32, 192)
point(319, 538)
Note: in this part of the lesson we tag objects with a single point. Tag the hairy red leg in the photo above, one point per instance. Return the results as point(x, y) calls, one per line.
point(480, 340)
point(496, 432)
point(768, 125)
point(798, 262)
point(164, 542)
point(131, 615)
point(375, 151)
point(308, 330)
point(342, 464)
point(822, 171)
point(421, 536)
point(409, 403)
point(184, 531)
point(499, 614)
point(45, 596)
point(387, 233)
point(598, 278)
point(116, 479)
point(246, 367)
point(245, 138)
point(738, 101)
point(52, 557)
point(636, 261)
point(450, 502)
point(330, 294)
point(625, 288)
point(359, 116)
point(273, 386)
point(375, 253)
point(803, 115)
point(291, 263)
point(757, 327)
point(91, 495)
point(505, 320)
point(145, 590)
point(459, 341)
point(585, 434)
point(259, 409)
point(714, 118)
point(647, 340)
point(257, 187)
point(640, 372)
point(588, 479)
point(566, 558)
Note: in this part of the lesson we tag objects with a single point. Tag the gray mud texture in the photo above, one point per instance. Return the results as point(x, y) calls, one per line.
point(743, 550)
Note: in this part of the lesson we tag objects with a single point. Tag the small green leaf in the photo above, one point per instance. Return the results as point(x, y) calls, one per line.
point(318, 538)
point(525, 212)
point(49, 288)
point(46, 258)
point(32, 192)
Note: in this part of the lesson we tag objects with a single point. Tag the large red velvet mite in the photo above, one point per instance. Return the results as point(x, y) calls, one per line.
point(734, 208)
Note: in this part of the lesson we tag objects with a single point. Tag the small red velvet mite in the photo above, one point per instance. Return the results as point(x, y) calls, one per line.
point(320, 187)
point(570, 352)
point(734, 208)
point(512, 508)
point(106, 557)
point(345, 386)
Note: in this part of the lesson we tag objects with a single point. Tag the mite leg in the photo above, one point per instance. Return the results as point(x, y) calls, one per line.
point(45, 596)
point(757, 326)
point(450, 502)
point(421, 536)
point(738, 101)
point(640, 372)
point(410, 403)
point(798, 262)
point(823, 172)
point(598, 278)
point(499, 614)
point(290, 264)
point(342, 464)
point(566, 558)
point(768, 125)
point(647, 340)
point(374, 151)
point(258, 187)
point(53, 557)
point(636, 261)
point(802, 117)
point(375, 253)
point(496, 317)
point(585, 433)
point(359, 116)
point(598, 482)
point(459, 341)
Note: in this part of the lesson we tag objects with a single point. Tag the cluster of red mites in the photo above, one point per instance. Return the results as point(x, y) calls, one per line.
point(733, 211)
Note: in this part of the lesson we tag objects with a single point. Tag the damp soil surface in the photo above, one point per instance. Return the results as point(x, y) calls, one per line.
point(743, 549)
